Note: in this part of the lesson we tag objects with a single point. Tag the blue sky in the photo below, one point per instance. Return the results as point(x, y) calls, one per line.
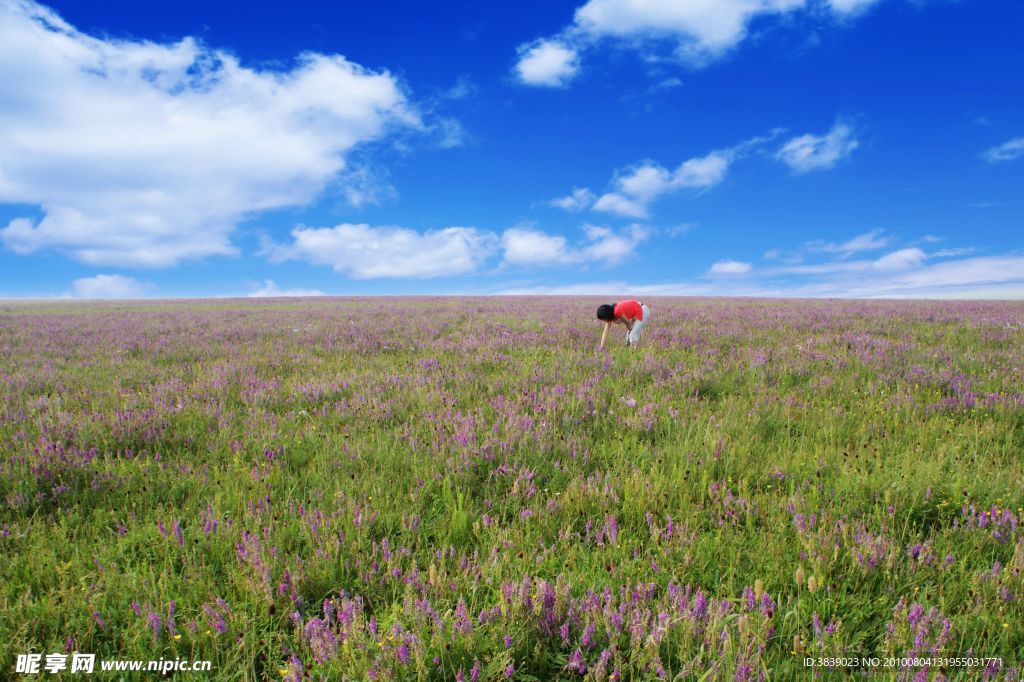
point(862, 148)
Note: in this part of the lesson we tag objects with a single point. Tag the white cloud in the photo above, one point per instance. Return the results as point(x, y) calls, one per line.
point(679, 230)
point(698, 31)
point(579, 289)
point(618, 204)
point(951, 277)
point(146, 154)
point(1008, 151)
point(949, 253)
point(107, 286)
point(610, 246)
point(992, 277)
point(524, 246)
point(365, 252)
point(729, 267)
point(904, 259)
point(368, 252)
point(701, 29)
point(645, 182)
point(814, 152)
point(527, 246)
point(901, 259)
point(635, 188)
point(869, 241)
point(549, 63)
point(271, 290)
point(579, 200)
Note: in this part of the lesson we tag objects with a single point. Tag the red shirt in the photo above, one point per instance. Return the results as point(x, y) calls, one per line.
point(629, 309)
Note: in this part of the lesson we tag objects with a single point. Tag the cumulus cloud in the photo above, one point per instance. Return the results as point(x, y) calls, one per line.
point(549, 63)
point(816, 152)
point(107, 286)
point(1008, 151)
point(362, 251)
point(635, 188)
point(271, 290)
point(698, 31)
point(729, 267)
point(146, 154)
point(700, 28)
point(619, 204)
point(528, 246)
point(605, 244)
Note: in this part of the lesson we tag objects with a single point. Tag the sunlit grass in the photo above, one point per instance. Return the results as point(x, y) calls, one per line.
point(450, 486)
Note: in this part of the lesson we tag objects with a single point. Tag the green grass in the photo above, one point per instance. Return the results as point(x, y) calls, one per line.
point(453, 449)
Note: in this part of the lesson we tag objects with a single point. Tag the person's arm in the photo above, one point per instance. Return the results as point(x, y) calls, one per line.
point(629, 324)
point(604, 334)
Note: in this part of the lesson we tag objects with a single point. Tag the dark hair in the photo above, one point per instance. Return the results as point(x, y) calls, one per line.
point(606, 312)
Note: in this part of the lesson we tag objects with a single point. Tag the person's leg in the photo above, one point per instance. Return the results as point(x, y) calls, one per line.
point(638, 326)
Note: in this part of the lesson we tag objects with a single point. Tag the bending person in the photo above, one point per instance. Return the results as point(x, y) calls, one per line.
point(633, 314)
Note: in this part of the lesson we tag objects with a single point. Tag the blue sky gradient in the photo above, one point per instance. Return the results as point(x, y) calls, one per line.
point(797, 148)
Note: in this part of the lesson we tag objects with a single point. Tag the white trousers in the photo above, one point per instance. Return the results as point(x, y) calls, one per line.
point(638, 325)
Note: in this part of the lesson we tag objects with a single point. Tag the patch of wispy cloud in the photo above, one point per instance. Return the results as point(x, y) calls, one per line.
point(952, 253)
point(872, 240)
point(580, 199)
point(904, 259)
point(269, 289)
point(729, 267)
point(900, 274)
point(850, 7)
point(663, 85)
point(869, 241)
point(1007, 151)
point(108, 287)
point(811, 152)
point(678, 230)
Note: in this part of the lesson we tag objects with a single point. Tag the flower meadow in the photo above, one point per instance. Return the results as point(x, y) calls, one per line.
point(468, 489)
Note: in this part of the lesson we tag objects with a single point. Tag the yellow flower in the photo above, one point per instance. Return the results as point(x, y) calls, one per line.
point(283, 671)
point(177, 637)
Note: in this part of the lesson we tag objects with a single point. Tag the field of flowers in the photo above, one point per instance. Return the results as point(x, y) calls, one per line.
point(468, 489)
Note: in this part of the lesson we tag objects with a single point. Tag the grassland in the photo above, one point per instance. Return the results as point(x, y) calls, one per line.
point(457, 489)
